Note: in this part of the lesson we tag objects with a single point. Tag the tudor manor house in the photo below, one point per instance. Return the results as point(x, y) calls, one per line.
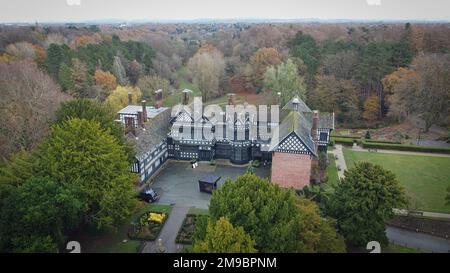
point(290, 146)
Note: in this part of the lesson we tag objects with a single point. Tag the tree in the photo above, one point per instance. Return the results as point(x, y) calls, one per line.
point(336, 95)
point(28, 100)
point(317, 234)
point(222, 237)
point(207, 68)
point(149, 84)
point(105, 80)
point(18, 169)
point(259, 62)
point(399, 86)
point(79, 78)
point(371, 109)
point(304, 46)
point(39, 212)
point(363, 201)
point(92, 110)
point(119, 97)
point(119, 71)
point(134, 72)
point(65, 78)
point(268, 213)
point(79, 153)
point(342, 65)
point(285, 79)
point(421, 89)
point(56, 55)
point(432, 93)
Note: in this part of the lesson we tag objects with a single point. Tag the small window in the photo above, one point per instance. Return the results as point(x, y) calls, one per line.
point(323, 137)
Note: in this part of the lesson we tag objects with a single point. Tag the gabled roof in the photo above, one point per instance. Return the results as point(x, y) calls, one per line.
point(295, 123)
point(302, 107)
point(155, 132)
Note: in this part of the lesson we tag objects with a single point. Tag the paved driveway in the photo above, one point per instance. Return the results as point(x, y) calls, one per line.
point(178, 182)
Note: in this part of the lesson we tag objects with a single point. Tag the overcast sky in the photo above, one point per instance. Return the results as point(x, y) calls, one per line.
point(80, 10)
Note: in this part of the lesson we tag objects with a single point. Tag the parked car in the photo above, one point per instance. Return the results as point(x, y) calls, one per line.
point(148, 195)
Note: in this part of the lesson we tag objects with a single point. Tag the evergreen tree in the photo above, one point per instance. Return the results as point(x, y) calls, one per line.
point(37, 215)
point(79, 153)
point(363, 201)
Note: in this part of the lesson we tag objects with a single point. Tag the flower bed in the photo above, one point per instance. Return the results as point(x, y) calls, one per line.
point(188, 228)
point(148, 226)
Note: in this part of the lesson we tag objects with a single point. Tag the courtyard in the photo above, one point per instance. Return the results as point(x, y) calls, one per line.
point(177, 183)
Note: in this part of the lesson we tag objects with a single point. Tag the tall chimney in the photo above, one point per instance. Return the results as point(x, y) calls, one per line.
point(231, 99)
point(130, 98)
point(315, 124)
point(144, 111)
point(186, 96)
point(158, 98)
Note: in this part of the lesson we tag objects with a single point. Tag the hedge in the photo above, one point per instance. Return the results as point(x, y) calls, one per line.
point(382, 141)
point(345, 141)
point(352, 137)
point(405, 147)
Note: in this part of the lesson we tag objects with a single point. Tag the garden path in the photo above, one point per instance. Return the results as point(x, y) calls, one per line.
point(168, 233)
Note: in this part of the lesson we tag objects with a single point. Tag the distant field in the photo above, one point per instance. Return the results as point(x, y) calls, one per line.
point(425, 178)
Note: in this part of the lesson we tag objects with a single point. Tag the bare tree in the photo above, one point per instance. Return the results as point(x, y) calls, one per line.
point(28, 100)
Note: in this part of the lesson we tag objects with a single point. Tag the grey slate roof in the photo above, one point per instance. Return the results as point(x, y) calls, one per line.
point(156, 130)
point(134, 109)
point(302, 107)
point(297, 123)
point(326, 120)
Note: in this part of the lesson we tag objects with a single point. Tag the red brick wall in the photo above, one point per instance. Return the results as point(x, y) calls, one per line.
point(291, 170)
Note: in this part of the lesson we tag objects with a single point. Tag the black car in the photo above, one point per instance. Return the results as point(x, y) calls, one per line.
point(148, 195)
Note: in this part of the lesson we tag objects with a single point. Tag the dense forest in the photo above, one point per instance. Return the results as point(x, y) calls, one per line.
point(369, 75)
point(63, 83)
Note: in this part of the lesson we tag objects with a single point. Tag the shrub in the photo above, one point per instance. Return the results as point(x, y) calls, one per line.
point(344, 141)
point(368, 135)
point(332, 143)
point(256, 163)
point(405, 147)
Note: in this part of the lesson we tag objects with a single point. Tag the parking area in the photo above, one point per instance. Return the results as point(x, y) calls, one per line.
point(178, 182)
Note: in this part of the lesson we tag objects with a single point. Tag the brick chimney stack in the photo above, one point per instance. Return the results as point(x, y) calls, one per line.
point(186, 93)
point(158, 98)
point(130, 98)
point(144, 112)
point(231, 99)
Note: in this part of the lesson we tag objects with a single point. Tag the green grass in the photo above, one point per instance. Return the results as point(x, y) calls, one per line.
point(399, 249)
point(198, 211)
point(332, 172)
point(154, 208)
point(425, 178)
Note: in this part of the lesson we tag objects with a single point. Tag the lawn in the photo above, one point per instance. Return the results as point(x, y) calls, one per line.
point(399, 249)
point(425, 178)
point(332, 172)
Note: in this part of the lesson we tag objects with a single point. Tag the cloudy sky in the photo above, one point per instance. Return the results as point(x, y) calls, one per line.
point(80, 10)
